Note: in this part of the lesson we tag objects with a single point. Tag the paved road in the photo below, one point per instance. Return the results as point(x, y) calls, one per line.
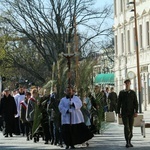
point(111, 139)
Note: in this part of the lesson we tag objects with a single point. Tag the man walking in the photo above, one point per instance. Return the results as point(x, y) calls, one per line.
point(112, 98)
point(74, 130)
point(19, 97)
point(23, 109)
point(127, 103)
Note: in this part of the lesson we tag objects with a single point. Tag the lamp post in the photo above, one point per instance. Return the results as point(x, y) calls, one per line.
point(137, 55)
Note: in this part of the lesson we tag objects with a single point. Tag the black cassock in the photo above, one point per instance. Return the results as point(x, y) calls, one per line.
point(74, 130)
point(76, 134)
point(7, 111)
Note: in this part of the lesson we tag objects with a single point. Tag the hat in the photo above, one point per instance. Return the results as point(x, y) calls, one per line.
point(127, 80)
point(97, 86)
point(70, 86)
point(112, 88)
point(6, 89)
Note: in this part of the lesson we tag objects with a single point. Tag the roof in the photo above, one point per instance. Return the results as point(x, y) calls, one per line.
point(104, 78)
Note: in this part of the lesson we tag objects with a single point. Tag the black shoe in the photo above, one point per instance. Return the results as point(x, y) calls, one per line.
point(72, 147)
point(11, 135)
point(46, 142)
point(35, 140)
point(130, 145)
point(28, 139)
point(127, 146)
point(87, 144)
point(55, 143)
point(6, 135)
point(61, 146)
point(67, 147)
point(52, 142)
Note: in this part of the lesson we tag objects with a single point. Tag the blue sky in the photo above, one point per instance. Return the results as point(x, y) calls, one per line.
point(103, 2)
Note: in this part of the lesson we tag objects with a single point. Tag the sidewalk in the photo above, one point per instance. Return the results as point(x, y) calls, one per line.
point(111, 139)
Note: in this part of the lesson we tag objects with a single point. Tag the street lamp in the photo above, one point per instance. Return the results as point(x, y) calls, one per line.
point(137, 55)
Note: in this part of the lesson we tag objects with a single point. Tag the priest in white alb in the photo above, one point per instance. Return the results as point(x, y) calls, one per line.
point(74, 130)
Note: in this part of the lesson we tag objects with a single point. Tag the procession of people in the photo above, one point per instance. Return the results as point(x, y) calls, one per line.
point(38, 114)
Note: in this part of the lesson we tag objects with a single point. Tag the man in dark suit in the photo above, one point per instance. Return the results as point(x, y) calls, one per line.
point(127, 109)
point(112, 98)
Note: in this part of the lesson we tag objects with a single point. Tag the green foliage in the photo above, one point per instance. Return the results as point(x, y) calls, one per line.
point(85, 75)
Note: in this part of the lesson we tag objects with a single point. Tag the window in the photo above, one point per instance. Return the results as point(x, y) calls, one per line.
point(140, 35)
point(128, 39)
point(115, 7)
point(121, 5)
point(134, 39)
point(116, 45)
point(147, 34)
point(122, 43)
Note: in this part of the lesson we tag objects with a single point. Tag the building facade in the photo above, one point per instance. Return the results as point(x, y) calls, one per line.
point(125, 45)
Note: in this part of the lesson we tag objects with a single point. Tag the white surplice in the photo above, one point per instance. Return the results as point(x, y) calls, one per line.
point(76, 114)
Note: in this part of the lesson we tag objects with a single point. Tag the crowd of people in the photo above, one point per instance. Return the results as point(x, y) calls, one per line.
point(71, 120)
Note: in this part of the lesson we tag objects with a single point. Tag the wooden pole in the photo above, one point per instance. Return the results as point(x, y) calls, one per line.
point(68, 57)
point(76, 51)
point(53, 70)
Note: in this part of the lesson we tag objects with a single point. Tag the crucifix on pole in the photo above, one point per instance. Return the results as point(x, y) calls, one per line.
point(68, 47)
point(68, 56)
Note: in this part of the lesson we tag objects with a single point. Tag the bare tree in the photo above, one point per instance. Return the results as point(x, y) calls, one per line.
point(49, 24)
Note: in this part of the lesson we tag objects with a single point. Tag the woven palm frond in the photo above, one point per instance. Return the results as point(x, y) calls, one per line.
point(49, 84)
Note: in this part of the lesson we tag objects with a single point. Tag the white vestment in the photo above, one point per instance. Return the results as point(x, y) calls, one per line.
point(18, 98)
point(76, 114)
